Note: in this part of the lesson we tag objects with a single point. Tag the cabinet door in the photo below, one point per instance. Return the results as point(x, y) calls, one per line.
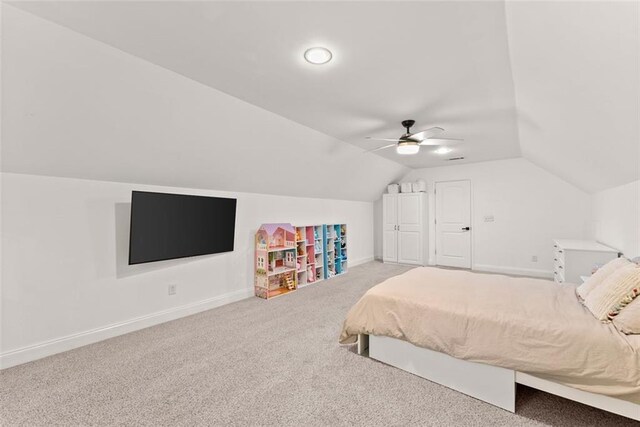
point(389, 226)
point(390, 246)
point(410, 228)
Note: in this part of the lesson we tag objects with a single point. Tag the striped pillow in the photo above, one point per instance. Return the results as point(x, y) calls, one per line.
point(614, 289)
point(628, 321)
point(600, 276)
point(626, 300)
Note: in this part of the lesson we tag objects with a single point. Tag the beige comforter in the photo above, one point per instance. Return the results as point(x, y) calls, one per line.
point(528, 325)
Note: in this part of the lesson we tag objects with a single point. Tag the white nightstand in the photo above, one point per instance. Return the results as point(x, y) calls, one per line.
point(575, 258)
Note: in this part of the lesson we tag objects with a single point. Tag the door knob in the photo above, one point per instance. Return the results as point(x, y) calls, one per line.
point(466, 228)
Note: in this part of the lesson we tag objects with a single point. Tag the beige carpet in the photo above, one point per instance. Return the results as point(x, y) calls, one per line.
point(256, 363)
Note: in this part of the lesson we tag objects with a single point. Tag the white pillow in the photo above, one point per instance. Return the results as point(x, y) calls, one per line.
point(605, 298)
point(599, 276)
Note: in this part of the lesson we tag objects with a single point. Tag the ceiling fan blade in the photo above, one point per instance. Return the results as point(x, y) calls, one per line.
point(428, 133)
point(382, 139)
point(441, 141)
point(380, 148)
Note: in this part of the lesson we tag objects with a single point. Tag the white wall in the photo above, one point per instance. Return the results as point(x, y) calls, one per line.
point(530, 207)
point(617, 218)
point(65, 276)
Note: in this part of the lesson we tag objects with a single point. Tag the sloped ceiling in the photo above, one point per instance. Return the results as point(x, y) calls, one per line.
point(440, 63)
point(555, 83)
point(576, 69)
point(75, 107)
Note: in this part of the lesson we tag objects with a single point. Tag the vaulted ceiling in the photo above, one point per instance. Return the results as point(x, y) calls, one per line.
point(576, 69)
point(554, 82)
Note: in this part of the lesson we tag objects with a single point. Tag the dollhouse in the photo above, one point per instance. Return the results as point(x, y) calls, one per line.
point(289, 257)
point(275, 260)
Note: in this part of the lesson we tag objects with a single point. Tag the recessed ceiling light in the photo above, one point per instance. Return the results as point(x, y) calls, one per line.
point(407, 149)
point(443, 150)
point(318, 55)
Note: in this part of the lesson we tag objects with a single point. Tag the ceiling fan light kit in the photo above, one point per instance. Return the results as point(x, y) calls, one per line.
point(407, 148)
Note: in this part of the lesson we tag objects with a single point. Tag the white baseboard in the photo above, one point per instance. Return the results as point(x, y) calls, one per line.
point(544, 274)
point(360, 261)
point(69, 342)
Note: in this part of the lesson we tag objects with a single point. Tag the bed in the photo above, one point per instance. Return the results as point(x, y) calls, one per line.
point(482, 333)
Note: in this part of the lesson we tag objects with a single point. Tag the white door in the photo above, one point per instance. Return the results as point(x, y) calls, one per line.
point(389, 227)
point(410, 236)
point(453, 224)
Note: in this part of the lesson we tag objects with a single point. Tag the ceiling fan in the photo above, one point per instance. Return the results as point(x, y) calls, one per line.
point(409, 143)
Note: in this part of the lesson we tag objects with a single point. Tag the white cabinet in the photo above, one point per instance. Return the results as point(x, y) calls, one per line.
point(575, 258)
point(404, 234)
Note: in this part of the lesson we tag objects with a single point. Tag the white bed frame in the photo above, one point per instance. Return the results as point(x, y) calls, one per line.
point(491, 384)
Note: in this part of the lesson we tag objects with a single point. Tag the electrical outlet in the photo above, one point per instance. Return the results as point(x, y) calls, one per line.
point(534, 258)
point(172, 289)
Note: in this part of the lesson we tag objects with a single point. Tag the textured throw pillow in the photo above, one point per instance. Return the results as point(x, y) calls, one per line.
point(628, 321)
point(614, 289)
point(626, 300)
point(599, 276)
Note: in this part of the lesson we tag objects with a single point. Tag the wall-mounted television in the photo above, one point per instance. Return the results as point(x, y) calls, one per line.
point(167, 226)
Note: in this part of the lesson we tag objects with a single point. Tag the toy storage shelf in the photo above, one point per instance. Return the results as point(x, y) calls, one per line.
point(336, 243)
point(308, 247)
point(290, 257)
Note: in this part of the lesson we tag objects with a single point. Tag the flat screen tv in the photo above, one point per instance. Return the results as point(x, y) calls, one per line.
point(167, 226)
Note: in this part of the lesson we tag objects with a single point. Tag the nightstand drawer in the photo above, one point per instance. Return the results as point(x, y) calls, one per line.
point(558, 259)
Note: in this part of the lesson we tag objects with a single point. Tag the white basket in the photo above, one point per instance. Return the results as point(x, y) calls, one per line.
point(419, 186)
point(393, 188)
point(406, 187)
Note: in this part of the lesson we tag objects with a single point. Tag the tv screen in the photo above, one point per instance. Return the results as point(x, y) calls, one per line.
point(167, 226)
